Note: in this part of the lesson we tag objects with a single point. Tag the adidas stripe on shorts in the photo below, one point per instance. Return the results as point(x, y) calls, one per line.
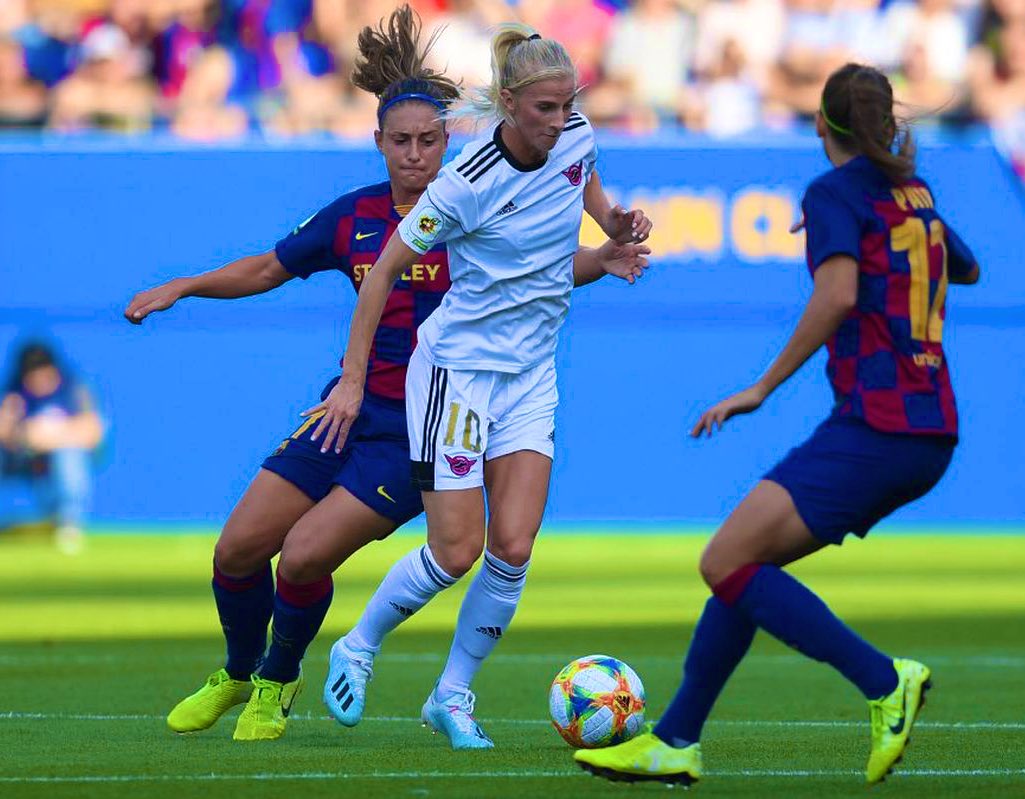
point(458, 418)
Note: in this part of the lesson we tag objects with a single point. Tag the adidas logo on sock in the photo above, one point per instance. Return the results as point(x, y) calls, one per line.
point(407, 612)
point(508, 208)
point(491, 632)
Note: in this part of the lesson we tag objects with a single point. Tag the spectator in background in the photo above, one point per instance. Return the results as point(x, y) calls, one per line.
point(205, 109)
point(651, 48)
point(109, 90)
point(311, 91)
point(753, 26)
point(463, 48)
point(180, 44)
point(931, 38)
point(580, 25)
point(814, 44)
point(48, 428)
point(998, 77)
point(22, 99)
point(47, 36)
point(727, 101)
point(997, 81)
point(918, 87)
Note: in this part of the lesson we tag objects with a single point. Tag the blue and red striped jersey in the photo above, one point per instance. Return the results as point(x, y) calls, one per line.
point(886, 361)
point(349, 235)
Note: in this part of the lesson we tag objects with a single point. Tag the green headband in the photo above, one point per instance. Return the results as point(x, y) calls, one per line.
point(838, 128)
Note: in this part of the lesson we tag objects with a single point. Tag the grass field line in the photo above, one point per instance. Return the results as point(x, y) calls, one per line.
point(526, 774)
point(935, 725)
point(990, 661)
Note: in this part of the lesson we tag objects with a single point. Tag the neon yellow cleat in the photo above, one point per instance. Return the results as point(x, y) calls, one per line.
point(893, 717)
point(645, 758)
point(200, 710)
point(265, 714)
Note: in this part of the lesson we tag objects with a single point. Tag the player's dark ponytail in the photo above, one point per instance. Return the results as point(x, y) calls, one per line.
point(857, 107)
point(390, 64)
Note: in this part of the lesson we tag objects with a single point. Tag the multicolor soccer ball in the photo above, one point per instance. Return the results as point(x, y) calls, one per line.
point(597, 701)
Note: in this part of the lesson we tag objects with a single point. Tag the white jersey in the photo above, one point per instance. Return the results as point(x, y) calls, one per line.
point(512, 231)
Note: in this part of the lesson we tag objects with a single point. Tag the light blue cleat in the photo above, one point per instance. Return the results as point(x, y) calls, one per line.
point(345, 689)
point(453, 717)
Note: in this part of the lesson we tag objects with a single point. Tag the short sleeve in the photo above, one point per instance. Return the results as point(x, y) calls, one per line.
point(447, 210)
point(831, 226)
point(310, 248)
point(960, 259)
point(591, 159)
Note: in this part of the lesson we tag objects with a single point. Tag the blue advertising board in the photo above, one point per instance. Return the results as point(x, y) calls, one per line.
point(196, 397)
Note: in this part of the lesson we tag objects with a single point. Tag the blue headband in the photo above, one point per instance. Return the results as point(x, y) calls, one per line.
point(399, 98)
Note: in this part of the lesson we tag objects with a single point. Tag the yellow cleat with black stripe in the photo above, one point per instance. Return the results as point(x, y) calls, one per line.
point(218, 695)
point(893, 717)
point(646, 758)
point(266, 713)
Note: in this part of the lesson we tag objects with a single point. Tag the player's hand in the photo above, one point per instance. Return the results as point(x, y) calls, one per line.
point(750, 399)
point(627, 226)
point(156, 299)
point(627, 261)
point(340, 409)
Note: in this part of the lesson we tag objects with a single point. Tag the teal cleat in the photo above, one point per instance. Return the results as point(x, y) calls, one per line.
point(453, 717)
point(345, 689)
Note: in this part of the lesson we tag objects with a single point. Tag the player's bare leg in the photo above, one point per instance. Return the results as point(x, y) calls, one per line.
point(455, 540)
point(742, 566)
point(764, 528)
point(320, 541)
point(329, 534)
point(244, 592)
point(517, 487)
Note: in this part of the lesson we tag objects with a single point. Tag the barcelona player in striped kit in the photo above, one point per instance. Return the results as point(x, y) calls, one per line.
point(881, 258)
point(313, 504)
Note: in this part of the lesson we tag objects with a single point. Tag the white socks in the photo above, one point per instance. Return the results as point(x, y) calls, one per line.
point(487, 610)
point(409, 585)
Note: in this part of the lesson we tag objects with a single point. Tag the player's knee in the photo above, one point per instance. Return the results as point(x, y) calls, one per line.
point(301, 567)
point(457, 558)
point(713, 568)
point(233, 557)
point(515, 552)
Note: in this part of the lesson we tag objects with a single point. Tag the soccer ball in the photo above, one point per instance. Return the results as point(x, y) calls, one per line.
point(597, 701)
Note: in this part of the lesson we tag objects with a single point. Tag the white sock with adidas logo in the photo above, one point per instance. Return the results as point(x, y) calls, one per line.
point(410, 584)
point(487, 609)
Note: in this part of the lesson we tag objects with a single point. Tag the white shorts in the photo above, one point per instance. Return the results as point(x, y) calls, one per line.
point(458, 419)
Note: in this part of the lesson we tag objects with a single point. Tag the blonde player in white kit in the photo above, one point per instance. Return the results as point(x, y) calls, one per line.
point(481, 385)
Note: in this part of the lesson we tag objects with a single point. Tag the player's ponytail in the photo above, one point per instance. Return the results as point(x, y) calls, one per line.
point(519, 57)
point(858, 109)
point(391, 66)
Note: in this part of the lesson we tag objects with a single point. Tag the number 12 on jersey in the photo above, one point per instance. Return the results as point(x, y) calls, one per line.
point(911, 237)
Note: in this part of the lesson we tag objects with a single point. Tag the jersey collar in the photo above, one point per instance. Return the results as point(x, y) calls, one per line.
point(514, 162)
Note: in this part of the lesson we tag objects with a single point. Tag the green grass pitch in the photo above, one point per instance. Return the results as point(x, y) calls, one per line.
point(94, 650)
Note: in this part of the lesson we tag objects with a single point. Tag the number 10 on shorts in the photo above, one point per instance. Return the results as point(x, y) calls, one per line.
point(472, 437)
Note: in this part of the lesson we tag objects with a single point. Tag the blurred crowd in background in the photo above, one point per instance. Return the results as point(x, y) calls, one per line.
point(213, 69)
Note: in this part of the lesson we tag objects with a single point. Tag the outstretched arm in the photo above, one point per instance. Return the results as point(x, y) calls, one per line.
point(342, 405)
point(834, 295)
point(254, 274)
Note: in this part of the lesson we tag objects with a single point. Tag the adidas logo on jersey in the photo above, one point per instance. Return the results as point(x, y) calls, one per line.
point(406, 612)
point(508, 208)
point(491, 632)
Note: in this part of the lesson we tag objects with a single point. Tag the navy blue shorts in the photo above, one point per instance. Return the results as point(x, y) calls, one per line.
point(847, 476)
point(373, 465)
